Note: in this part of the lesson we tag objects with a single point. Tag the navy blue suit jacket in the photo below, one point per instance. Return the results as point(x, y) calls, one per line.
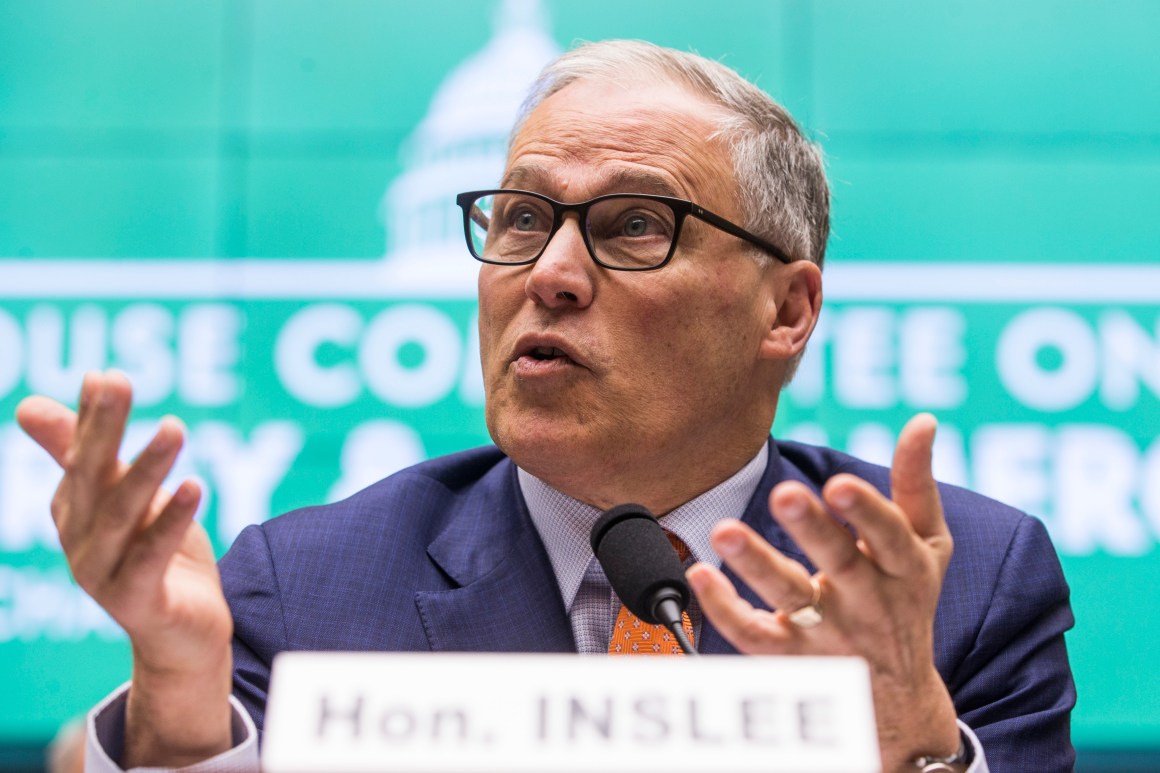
point(443, 556)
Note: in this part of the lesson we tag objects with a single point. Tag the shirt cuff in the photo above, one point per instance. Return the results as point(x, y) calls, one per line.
point(105, 741)
point(979, 763)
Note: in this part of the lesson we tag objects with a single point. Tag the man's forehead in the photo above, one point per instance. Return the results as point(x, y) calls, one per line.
point(609, 137)
point(537, 177)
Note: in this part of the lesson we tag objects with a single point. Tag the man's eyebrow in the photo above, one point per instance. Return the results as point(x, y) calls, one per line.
point(638, 181)
point(535, 177)
point(528, 177)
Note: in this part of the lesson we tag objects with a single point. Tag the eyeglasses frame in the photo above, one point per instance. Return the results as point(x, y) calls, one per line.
point(682, 208)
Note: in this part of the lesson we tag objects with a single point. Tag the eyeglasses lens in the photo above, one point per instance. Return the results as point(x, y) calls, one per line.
point(624, 232)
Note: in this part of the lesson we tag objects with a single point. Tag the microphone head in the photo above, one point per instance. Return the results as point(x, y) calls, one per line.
point(641, 564)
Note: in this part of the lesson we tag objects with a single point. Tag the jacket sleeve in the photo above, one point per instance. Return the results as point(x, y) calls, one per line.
point(260, 632)
point(1014, 688)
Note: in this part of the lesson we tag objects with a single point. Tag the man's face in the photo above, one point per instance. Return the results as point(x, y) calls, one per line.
point(601, 381)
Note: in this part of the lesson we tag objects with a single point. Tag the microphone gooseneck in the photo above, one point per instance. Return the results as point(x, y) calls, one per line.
point(642, 567)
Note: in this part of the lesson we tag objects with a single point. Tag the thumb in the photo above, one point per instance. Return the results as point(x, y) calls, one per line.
point(51, 424)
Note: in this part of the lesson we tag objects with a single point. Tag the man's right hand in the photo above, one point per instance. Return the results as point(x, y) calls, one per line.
point(137, 551)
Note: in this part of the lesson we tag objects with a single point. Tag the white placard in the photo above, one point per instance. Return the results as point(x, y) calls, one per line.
point(445, 713)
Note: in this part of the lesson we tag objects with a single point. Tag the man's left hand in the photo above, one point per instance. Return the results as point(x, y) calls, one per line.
point(879, 590)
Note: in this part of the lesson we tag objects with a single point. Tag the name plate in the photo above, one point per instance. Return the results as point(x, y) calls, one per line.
point(452, 713)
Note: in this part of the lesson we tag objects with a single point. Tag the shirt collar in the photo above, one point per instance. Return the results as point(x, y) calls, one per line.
point(564, 523)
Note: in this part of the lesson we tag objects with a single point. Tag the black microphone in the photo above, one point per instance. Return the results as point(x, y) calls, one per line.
point(643, 567)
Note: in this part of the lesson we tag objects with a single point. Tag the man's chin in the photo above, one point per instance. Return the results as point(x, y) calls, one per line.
point(548, 451)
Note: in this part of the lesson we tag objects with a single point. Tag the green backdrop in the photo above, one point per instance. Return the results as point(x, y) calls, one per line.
point(247, 206)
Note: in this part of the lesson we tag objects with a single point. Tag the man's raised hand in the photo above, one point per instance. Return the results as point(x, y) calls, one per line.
point(137, 551)
point(879, 589)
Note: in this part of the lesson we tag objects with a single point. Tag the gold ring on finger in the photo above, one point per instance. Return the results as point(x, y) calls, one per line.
point(809, 615)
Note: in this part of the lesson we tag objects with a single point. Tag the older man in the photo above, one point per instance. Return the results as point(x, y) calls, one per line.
point(652, 274)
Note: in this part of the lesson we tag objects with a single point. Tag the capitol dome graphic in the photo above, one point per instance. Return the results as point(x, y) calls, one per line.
point(460, 145)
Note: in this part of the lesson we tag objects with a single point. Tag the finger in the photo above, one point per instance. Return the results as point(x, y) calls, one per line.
point(104, 408)
point(912, 485)
point(49, 423)
point(149, 555)
point(133, 503)
point(779, 581)
point(137, 488)
point(751, 631)
point(90, 385)
point(888, 538)
point(828, 544)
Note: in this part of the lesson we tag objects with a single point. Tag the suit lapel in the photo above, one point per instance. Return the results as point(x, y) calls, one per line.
point(507, 598)
point(758, 518)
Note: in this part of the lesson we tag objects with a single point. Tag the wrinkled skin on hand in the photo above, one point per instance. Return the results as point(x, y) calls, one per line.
point(136, 550)
point(880, 589)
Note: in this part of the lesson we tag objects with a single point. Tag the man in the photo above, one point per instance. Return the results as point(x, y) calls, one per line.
point(633, 347)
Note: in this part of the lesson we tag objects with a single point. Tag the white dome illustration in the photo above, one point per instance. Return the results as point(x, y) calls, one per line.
point(460, 145)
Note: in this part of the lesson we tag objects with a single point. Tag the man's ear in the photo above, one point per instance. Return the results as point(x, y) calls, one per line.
point(796, 301)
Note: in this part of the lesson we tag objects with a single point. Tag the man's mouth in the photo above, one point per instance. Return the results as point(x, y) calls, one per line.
point(547, 353)
point(545, 357)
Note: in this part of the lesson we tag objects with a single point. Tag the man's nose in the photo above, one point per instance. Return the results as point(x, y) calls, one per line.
point(564, 274)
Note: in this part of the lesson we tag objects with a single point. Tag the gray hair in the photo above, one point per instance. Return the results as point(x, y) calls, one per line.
point(780, 175)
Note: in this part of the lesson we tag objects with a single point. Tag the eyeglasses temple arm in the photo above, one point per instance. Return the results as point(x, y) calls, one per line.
point(719, 222)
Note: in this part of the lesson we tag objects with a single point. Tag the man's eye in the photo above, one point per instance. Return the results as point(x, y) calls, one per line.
point(636, 226)
point(525, 221)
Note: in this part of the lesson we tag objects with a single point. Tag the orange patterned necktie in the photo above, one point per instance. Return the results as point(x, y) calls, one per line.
point(633, 636)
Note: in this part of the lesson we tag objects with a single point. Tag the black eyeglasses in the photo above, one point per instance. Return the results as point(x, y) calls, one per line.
point(623, 231)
